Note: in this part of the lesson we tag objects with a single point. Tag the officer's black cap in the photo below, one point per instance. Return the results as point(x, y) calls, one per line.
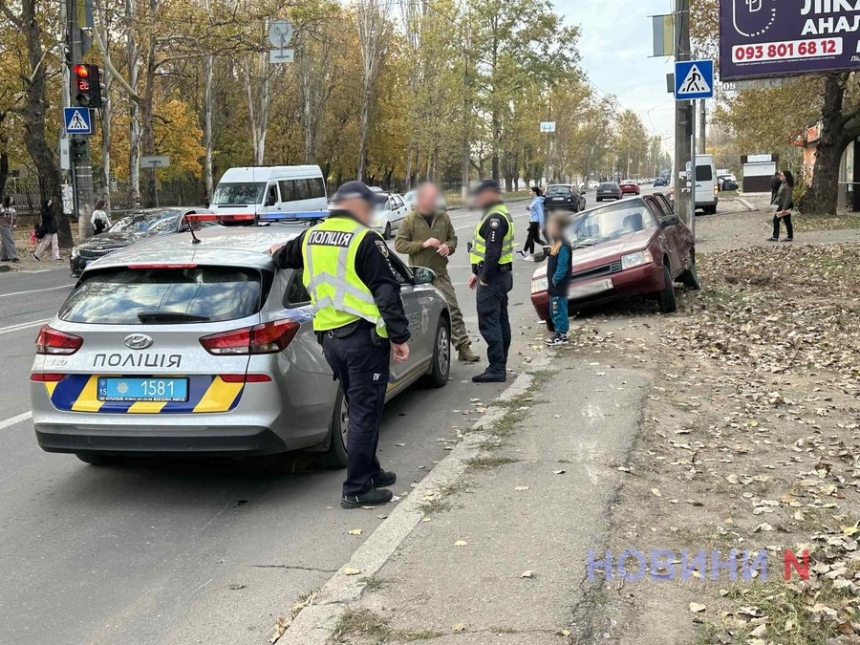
point(353, 190)
point(487, 184)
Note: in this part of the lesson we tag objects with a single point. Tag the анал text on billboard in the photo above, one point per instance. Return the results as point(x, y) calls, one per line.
point(786, 37)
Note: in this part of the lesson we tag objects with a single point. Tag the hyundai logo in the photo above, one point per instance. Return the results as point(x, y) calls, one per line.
point(138, 341)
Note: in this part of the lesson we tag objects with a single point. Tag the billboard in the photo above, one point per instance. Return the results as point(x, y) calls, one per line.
point(760, 38)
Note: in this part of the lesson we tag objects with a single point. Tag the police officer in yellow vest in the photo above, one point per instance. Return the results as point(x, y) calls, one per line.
point(491, 257)
point(359, 316)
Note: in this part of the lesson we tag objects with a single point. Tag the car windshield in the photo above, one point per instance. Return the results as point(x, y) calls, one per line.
point(239, 194)
point(157, 222)
point(381, 200)
point(608, 185)
point(558, 190)
point(609, 223)
point(123, 296)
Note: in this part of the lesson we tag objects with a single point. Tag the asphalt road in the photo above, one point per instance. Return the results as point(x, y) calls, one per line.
point(191, 552)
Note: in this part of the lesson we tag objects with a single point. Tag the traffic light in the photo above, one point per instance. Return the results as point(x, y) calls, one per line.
point(86, 86)
point(78, 148)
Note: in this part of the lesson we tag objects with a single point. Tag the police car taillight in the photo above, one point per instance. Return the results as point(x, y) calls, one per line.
point(268, 338)
point(52, 341)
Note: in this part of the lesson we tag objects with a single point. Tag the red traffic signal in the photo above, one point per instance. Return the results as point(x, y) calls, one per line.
point(86, 85)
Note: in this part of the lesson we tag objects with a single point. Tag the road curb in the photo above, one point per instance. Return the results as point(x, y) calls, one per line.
point(315, 623)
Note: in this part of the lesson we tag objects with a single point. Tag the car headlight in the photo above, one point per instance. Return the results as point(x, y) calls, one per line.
point(635, 259)
point(75, 252)
point(540, 284)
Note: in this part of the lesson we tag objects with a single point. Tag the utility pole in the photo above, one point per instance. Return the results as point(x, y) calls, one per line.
point(703, 116)
point(682, 108)
point(82, 171)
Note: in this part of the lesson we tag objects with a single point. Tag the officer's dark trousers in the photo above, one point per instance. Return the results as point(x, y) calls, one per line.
point(493, 323)
point(362, 369)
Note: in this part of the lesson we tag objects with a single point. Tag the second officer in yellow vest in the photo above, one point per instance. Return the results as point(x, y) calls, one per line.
point(359, 316)
point(491, 257)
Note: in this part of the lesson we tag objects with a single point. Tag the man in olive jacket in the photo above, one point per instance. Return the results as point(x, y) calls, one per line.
point(428, 237)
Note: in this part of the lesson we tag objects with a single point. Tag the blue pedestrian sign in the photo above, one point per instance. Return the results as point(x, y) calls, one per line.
point(694, 79)
point(78, 120)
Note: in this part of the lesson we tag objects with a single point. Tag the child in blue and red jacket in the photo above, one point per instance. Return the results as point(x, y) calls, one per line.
point(558, 273)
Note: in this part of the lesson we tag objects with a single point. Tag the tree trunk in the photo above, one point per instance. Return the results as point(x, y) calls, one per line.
point(822, 196)
point(362, 130)
point(33, 117)
point(133, 54)
point(208, 178)
point(147, 135)
point(4, 157)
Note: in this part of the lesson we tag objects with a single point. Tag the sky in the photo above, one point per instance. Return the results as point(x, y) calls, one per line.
point(616, 45)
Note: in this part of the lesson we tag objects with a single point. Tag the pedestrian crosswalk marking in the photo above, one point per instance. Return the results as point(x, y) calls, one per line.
point(694, 82)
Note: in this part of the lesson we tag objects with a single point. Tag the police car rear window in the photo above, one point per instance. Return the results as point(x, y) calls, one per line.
point(138, 295)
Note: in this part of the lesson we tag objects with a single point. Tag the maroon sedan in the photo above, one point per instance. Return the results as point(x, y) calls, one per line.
point(629, 187)
point(637, 247)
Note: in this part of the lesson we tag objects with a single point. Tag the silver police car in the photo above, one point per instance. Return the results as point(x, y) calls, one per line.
point(176, 347)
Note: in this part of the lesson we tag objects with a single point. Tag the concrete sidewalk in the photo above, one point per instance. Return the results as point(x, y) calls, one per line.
point(500, 554)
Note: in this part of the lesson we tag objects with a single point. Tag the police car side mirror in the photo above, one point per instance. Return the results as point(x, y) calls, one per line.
point(423, 275)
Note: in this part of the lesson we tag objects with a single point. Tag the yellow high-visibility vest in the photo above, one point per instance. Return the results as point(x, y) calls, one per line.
point(479, 244)
point(338, 295)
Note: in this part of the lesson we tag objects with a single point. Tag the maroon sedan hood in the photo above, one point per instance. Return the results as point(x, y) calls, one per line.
point(607, 252)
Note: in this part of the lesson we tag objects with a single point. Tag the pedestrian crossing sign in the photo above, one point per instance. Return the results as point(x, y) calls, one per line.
point(694, 79)
point(78, 120)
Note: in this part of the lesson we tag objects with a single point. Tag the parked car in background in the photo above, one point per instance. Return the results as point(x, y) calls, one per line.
point(390, 212)
point(630, 187)
point(608, 190)
point(246, 193)
point(184, 349)
point(136, 225)
point(659, 181)
point(564, 197)
point(637, 247)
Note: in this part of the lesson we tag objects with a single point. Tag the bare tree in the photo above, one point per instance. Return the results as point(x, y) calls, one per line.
point(373, 28)
point(34, 106)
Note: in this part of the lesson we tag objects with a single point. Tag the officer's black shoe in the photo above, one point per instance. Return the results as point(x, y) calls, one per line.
point(373, 497)
point(490, 377)
point(384, 479)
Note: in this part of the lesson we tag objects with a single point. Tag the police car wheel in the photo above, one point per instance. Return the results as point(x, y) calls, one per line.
point(387, 233)
point(441, 365)
point(336, 457)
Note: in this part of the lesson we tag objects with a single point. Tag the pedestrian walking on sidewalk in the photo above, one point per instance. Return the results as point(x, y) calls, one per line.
point(775, 185)
point(537, 223)
point(49, 229)
point(8, 253)
point(100, 220)
point(784, 204)
point(491, 256)
point(359, 318)
point(558, 273)
point(428, 237)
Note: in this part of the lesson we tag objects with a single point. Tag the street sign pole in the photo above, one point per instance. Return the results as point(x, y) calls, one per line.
point(692, 175)
point(82, 171)
point(694, 81)
point(682, 153)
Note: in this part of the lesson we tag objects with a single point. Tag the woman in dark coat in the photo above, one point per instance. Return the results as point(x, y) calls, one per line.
point(784, 203)
point(49, 226)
